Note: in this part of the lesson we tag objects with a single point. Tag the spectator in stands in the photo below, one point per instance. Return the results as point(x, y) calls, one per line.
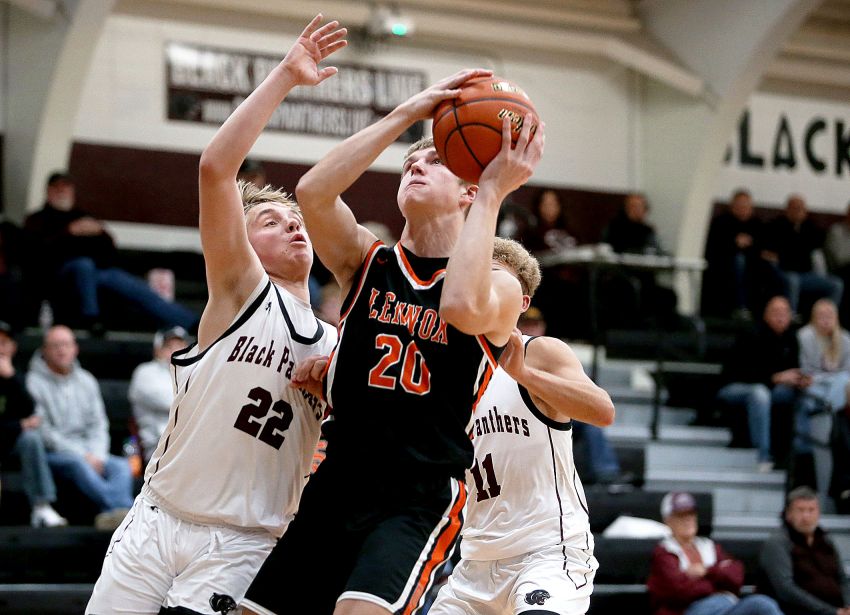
point(515, 222)
point(731, 254)
point(836, 250)
point(77, 248)
point(75, 428)
point(802, 566)
point(635, 292)
point(19, 434)
point(693, 575)
point(549, 230)
point(763, 370)
point(825, 356)
point(630, 232)
point(152, 388)
point(790, 244)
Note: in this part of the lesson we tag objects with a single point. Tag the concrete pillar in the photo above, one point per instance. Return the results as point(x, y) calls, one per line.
point(47, 63)
point(729, 44)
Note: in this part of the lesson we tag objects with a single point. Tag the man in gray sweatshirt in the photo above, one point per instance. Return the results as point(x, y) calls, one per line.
point(74, 425)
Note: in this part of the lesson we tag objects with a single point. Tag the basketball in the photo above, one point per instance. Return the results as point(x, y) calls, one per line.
point(468, 129)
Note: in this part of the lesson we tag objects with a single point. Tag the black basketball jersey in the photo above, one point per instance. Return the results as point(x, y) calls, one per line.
point(403, 383)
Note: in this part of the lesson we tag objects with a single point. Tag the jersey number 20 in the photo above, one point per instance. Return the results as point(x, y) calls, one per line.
point(251, 415)
point(415, 377)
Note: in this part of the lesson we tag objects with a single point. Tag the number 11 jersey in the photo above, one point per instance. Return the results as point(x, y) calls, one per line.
point(240, 441)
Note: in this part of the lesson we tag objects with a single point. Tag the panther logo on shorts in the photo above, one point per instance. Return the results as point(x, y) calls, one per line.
point(538, 596)
point(222, 603)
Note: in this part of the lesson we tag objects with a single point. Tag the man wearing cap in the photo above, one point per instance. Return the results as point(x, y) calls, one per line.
point(693, 575)
point(801, 562)
point(152, 388)
point(19, 434)
point(75, 246)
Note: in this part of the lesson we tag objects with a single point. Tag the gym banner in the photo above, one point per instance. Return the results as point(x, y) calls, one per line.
point(206, 84)
point(786, 144)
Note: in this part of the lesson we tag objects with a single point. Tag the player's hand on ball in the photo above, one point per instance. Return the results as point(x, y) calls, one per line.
point(314, 45)
point(514, 166)
point(309, 374)
point(421, 106)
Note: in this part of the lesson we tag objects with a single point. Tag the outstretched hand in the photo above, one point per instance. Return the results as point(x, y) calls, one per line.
point(421, 106)
point(314, 45)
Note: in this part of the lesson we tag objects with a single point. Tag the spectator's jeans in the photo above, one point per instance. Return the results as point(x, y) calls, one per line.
point(112, 490)
point(795, 283)
point(601, 457)
point(88, 278)
point(725, 604)
point(740, 270)
point(828, 388)
point(38, 480)
point(757, 399)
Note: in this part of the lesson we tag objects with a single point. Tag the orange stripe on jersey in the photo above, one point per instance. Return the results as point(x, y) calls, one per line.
point(412, 273)
point(440, 553)
point(485, 381)
point(361, 281)
point(485, 346)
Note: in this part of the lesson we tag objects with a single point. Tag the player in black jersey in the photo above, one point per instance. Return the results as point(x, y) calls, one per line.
point(421, 327)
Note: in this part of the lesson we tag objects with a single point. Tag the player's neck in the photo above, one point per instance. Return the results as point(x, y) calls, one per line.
point(297, 288)
point(434, 238)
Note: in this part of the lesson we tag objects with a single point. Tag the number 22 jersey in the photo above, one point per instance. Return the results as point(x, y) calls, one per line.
point(402, 382)
point(240, 440)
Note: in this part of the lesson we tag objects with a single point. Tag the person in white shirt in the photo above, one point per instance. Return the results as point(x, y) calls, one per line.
point(152, 389)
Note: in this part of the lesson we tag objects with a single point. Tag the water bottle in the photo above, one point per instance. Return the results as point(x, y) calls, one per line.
point(133, 453)
point(45, 315)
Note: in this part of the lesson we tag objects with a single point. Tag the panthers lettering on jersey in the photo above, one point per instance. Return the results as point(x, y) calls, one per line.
point(524, 491)
point(402, 382)
point(240, 440)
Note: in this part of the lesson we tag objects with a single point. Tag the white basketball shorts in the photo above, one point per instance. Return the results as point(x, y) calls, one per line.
point(156, 559)
point(556, 580)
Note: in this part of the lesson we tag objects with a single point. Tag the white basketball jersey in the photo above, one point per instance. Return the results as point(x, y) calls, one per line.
point(524, 492)
point(240, 440)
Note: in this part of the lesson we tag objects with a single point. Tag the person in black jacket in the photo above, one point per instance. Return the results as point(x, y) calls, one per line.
point(19, 434)
point(763, 370)
point(790, 242)
point(75, 246)
point(731, 253)
point(801, 563)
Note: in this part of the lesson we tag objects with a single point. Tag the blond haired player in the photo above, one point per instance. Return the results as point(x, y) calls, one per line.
point(527, 546)
point(227, 475)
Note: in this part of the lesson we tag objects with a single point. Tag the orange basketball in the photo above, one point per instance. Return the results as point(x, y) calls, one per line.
point(468, 129)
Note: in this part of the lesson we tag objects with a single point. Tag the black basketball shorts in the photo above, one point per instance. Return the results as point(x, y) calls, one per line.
point(386, 547)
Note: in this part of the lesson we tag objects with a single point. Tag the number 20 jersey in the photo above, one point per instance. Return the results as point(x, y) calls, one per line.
point(402, 382)
point(240, 441)
point(524, 491)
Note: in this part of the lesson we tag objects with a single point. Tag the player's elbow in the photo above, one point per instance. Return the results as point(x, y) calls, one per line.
point(211, 168)
point(606, 412)
point(308, 191)
point(463, 315)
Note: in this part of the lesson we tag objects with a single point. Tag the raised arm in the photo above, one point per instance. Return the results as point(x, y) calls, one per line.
point(339, 241)
point(233, 269)
point(554, 377)
point(472, 301)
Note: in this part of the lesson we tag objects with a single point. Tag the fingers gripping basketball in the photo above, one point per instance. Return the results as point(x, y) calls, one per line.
point(468, 129)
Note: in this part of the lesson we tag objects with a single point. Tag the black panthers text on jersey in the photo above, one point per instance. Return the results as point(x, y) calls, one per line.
point(403, 383)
